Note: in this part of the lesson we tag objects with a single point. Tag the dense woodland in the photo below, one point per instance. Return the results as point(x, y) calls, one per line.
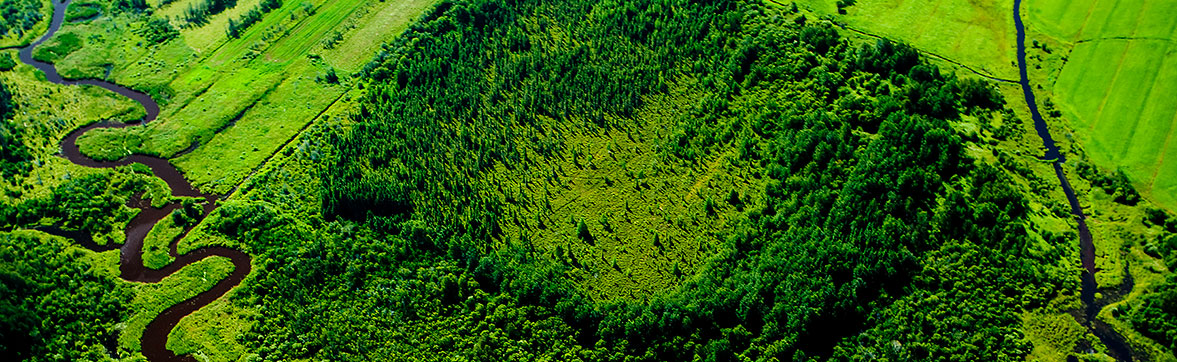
point(879, 237)
point(19, 16)
point(53, 305)
point(14, 154)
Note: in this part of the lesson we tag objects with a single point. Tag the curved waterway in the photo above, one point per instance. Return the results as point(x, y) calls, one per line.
point(1117, 347)
point(131, 268)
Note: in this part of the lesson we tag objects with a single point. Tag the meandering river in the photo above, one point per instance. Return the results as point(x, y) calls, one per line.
point(131, 268)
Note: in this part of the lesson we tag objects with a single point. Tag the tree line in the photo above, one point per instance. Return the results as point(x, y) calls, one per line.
point(198, 12)
point(236, 26)
point(14, 154)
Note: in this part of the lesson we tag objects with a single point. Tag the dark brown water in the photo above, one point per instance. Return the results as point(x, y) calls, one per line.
point(131, 266)
point(1117, 347)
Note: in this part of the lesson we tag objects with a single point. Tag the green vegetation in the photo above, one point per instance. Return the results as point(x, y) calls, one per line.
point(62, 45)
point(843, 228)
point(14, 155)
point(53, 304)
point(978, 34)
point(252, 17)
point(1118, 110)
point(576, 180)
point(199, 11)
point(151, 299)
point(266, 86)
point(6, 62)
point(19, 16)
point(81, 11)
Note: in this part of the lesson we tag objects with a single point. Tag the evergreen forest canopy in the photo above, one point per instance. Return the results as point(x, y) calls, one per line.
point(878, 236)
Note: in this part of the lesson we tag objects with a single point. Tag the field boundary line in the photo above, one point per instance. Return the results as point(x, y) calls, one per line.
point(1086, 19)
point(287, 143)
point(937, 56)
point(1126, 38)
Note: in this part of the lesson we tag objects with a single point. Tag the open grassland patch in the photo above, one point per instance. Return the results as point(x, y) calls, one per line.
point(1117, 84)
point(631, 220)
point(1054, 335)
point(351, 46)
point(213, 332)
point(979, 34)
point(152, 299)
point(230, 155)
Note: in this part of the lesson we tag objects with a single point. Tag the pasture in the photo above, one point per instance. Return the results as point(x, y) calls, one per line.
point(233, 101)
point(978, 34)
point(1117, 84)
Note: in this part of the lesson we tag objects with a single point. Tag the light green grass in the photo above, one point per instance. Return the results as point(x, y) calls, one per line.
point(977, 33)
point(1054, 335)
point(155, 245)
point(646, 214)
point(226, 159)
point(152, 299)
point(382, 21)
point(241, 98)
point(1117, 84)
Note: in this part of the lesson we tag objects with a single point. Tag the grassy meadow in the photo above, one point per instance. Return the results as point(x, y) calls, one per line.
point(979, 34)
point(236, 99)
point(1117, 82)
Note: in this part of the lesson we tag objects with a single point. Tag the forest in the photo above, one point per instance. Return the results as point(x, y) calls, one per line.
point(572, 180)
point(17, 17)
point(878, 235)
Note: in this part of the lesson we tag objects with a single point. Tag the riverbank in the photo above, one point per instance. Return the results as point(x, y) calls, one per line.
point(155, 335)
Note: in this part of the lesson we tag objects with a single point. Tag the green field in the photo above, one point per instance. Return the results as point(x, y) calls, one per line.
point(1117, 84)
point(238, 99)
point(976, 33)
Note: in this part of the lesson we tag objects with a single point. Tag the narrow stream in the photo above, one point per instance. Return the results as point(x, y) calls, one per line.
point(1117, 347)
point(131, 268)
